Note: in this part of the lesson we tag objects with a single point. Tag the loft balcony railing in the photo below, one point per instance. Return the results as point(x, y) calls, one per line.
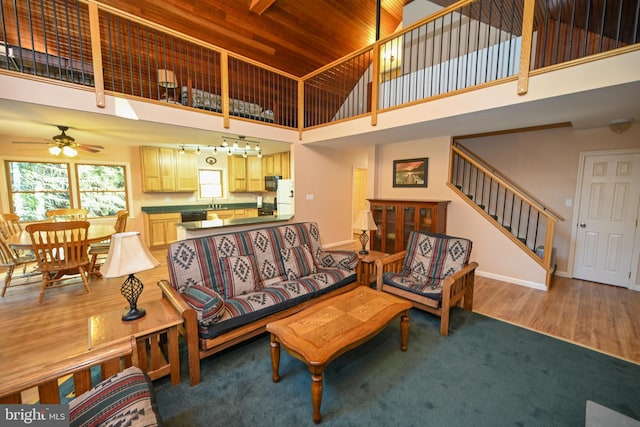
point(466, 46)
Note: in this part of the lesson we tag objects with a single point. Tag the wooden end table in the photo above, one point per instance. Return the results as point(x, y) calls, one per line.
point(321, 333)
point(367, 265)
point(157, 328)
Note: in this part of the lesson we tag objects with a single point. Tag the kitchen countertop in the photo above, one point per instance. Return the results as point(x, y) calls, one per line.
point(230, 222)
point(208, 207)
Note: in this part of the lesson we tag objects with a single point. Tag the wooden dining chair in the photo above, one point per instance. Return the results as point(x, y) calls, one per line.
point(61, 249)
point(102, 248)
point(10, 224)
point(67, 214)
point(10, 260)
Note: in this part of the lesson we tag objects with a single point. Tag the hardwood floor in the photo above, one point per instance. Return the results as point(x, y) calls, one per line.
point(600, 317)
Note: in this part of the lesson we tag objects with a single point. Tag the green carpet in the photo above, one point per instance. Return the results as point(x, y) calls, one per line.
point(486, 373)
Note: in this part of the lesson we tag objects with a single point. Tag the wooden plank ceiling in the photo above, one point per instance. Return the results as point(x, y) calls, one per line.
point(296, 36)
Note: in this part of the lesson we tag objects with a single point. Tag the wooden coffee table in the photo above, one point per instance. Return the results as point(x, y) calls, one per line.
point(329, 329)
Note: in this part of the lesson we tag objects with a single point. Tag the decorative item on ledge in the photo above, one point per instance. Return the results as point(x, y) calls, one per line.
point(128, 255)
point(365, 222)
point(230, 146)
point(167, 80)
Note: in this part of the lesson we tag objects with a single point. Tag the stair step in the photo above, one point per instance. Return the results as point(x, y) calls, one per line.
point(523, 240)
point(507, 227)
point(494, 216)
point(483, 207)
point(470, 196)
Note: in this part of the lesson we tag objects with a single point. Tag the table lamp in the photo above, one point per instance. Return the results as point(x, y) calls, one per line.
point(127, 256)
point(365, 223)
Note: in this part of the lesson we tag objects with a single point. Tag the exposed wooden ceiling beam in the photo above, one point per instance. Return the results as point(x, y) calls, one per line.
point(259, 6)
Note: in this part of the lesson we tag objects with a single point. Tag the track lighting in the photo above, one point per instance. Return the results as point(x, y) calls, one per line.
point(229, 145)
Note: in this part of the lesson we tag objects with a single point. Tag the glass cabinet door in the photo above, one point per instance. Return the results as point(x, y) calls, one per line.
point(375, 243)
point(409, 221)
point(425, 219)
point(390, 230)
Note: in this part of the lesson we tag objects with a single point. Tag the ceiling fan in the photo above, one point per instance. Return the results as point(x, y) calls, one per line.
point(65, 144)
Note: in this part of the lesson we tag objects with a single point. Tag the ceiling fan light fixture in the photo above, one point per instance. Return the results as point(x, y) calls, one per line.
point(69, 151)
point(55, 150)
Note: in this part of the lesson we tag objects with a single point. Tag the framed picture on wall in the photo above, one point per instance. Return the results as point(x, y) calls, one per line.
point(410, 172)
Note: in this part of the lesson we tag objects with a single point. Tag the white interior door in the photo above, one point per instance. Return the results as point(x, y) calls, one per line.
point(607, 218)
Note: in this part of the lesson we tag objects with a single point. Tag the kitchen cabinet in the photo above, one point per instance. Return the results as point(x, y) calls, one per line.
point(255, 178)
point(277, 164)
point(245, 174)
point(232, 213)
point(397, 218)
point(165, 170)
point(267, 165)
point(220, 214)
point(285, 162)
point(237, 171)
point(160, 229)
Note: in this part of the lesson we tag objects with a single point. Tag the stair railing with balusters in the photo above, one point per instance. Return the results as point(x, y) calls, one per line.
point(520, 216)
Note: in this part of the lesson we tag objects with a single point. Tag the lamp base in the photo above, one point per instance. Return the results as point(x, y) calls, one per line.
point(133, 314)
point(363, 241)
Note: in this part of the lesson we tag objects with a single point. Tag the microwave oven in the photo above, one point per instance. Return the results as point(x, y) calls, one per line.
point(271, 183)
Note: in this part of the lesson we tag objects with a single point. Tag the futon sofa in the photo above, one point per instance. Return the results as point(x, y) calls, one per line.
point(229, 286)
point(434, 273)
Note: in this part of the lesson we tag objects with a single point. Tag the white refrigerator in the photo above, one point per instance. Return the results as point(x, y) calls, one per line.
point(284, 196)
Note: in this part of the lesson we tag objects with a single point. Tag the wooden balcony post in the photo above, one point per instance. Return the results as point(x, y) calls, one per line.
point(96, 53)
point(527, 40)
point(224, 65)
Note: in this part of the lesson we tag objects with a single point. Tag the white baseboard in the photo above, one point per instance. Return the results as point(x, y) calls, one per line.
point(528, 284)
point(343, 243)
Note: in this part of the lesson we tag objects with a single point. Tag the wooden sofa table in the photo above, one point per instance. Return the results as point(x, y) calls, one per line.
point(321, 333)
point(161, 320)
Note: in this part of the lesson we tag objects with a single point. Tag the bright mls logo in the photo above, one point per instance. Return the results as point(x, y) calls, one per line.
point(34, 415)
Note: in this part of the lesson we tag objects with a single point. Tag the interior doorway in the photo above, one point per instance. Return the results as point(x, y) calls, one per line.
point(606, 244)
point(360, 182)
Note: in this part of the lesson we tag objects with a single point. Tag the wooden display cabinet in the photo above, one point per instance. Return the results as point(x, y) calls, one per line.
point(397, 218)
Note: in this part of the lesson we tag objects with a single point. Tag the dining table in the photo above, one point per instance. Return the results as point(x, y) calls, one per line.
point(96, 233)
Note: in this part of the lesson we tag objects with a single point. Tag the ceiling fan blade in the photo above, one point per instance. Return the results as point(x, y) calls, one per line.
point(97, 147)
point(31, 142)
point(88, 148)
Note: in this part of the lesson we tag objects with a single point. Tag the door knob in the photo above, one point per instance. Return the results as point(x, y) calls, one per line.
point(583, 225)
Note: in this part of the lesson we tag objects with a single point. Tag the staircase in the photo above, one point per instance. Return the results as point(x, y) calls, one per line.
point(519, 215)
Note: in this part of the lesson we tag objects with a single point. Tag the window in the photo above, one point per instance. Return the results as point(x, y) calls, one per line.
point(36, 187)
point(102, 189)
point(210, 183)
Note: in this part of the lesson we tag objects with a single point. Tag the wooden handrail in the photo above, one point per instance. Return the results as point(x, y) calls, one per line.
point(504, 180)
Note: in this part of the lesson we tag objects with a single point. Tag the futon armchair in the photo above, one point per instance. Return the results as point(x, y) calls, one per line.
point(434, 273)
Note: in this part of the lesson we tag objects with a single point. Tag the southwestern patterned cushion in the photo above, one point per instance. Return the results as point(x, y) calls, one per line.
point(124, 399)
point(430, 259)
point(298, 262)
point(240, 275)
point(435, 256)
point(207, 303)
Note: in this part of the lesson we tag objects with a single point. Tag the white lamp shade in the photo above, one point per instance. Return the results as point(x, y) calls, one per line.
point(365, 221)
point(166, 78)
point(127, 255)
